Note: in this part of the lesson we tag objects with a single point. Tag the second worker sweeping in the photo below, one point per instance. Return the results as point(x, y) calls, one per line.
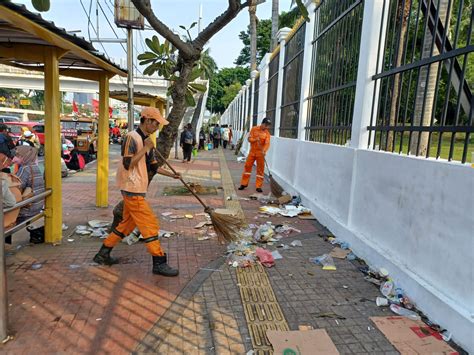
point(259, 139)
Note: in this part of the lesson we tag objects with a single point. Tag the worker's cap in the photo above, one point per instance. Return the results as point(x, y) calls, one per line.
point(27, 133)
point(267, 121)
point(154, 114)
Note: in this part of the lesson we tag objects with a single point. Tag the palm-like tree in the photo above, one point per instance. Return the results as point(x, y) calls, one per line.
point(207, 64)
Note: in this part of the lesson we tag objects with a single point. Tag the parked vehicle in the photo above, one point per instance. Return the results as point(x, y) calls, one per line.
point(82, 132)
point(5, 119)
point(35, 127)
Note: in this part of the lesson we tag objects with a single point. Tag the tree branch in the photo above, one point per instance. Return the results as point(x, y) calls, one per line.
point(220, 22)
point(144, 7)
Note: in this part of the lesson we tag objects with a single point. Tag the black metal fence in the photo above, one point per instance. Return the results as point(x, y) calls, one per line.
point(424, 103)
point(337, 31)
point(255, 100)
point(292, 75)
point(272, 89)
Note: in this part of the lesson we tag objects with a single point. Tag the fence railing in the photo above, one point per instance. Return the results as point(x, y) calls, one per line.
point(420, 88)
point(426, 81)
point(292, 75)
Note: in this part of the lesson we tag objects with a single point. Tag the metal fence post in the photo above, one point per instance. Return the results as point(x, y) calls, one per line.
point(374, 27)
point(306, 76)
point(281, 35)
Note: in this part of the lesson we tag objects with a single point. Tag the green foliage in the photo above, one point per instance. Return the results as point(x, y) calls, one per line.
point(162, 60)
point(41, 5)
point(230, 92)
point(218, 83)
point(207, 64)
point(264, 34)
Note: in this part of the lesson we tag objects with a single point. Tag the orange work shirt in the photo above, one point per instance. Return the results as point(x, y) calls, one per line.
point(259, 140)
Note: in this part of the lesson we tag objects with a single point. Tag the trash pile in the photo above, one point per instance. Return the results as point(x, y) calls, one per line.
point(95, 228)
point(341, 251)
point(246, 251)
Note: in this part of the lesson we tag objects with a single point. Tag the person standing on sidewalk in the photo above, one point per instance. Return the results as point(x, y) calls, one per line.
point(132, 180)
point(187, 141)
point(259, 139)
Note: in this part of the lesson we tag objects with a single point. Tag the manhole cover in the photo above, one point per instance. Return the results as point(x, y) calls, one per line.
point(181, 190)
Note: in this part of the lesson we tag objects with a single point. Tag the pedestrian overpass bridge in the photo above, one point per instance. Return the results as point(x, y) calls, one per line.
point(15, 78)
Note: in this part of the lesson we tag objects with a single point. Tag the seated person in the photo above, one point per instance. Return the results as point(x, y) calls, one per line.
point(72, 158)
point(32, 181)
point(8, 200)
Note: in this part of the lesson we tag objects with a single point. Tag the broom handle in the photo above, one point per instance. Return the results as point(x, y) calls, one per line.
point(184, 183)
point(264, 159)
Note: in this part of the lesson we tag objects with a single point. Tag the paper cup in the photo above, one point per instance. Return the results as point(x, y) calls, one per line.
point(381, 301)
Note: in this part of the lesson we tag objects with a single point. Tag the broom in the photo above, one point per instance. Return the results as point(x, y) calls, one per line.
point(225, 225)
point(275, 187)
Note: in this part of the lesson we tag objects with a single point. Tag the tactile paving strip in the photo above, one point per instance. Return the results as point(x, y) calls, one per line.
point(261, 307)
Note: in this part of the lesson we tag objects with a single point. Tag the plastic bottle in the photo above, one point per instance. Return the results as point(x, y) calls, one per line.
point(404, 312)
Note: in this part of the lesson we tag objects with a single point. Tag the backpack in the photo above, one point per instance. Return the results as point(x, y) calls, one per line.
point(81, 160)
point(188, 137)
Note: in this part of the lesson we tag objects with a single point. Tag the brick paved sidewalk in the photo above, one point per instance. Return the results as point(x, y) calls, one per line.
point(69, 305)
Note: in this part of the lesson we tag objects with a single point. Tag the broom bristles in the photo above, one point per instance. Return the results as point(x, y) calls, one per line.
point(275, 187)
point(227, 226)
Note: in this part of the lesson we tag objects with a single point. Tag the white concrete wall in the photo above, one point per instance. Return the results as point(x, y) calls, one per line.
point(413, 216)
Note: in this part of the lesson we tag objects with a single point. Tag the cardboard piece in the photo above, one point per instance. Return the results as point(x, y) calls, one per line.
point(339, 253)
point(307, 217)
point(412, 337)
point(306, 342)
point(202, 224)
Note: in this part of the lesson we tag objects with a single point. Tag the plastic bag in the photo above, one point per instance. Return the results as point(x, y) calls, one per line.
point(325, 260)
point(264, 233)
point(265, 257)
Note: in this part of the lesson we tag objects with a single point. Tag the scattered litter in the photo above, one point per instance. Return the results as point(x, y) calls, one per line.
point(98, 319)
point(373, 280)
point(351, 256)
point(204, 214)
point(265, 257)
point(387, 288)
point(369, 329)
point(395, 308)
point(296, 243)
point(250, 352)
point(241, 159)
point(65, 227)
point(383, 272)
point(205, 269)
point(345, 286)
point(98, 224)
point(36, 266)
point(339, 253)
point(284, 199)
point(325, 260)
point(166, 214)
point(381, 301)
point(133, 237)
point(328, 315)
point(99, 232)
point(446, 335)
point(315, 342)
point(177, 217)
point(276, 255)
point(70, 240)
point(286, 229)
point(287, 211)
point(283, 246)
point(74, 266)
point(306, 216)
point(202, 224)
point(264, 233)
point(166, 234)
point(206, 237)
point(189, 216)
point(305, 327)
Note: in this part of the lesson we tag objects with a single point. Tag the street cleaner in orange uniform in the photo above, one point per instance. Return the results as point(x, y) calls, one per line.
point(132, 180)
point(259, 139)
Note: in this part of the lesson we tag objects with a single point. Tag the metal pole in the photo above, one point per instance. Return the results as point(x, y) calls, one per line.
point(200, 18)
point(130, 79)
point(3, 278)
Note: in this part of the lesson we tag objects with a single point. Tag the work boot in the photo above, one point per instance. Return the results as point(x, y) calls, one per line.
point(103, 256)
point(259, 189)
point(160, 267)
point(242, 187)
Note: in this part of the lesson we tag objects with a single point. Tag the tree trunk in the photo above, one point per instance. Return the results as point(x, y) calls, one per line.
point(427, 81)
point(275, 24)
point(253, 34)
point(398, 62)
point(169, 134)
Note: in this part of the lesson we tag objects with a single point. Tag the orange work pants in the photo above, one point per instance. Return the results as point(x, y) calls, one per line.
point(137, 213)
point(248, 169)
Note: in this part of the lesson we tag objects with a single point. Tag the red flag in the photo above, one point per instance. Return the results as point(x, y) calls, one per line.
point(95, 104)
point(74, 107)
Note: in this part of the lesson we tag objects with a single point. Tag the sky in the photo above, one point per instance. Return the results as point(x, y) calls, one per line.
point(224, 46)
